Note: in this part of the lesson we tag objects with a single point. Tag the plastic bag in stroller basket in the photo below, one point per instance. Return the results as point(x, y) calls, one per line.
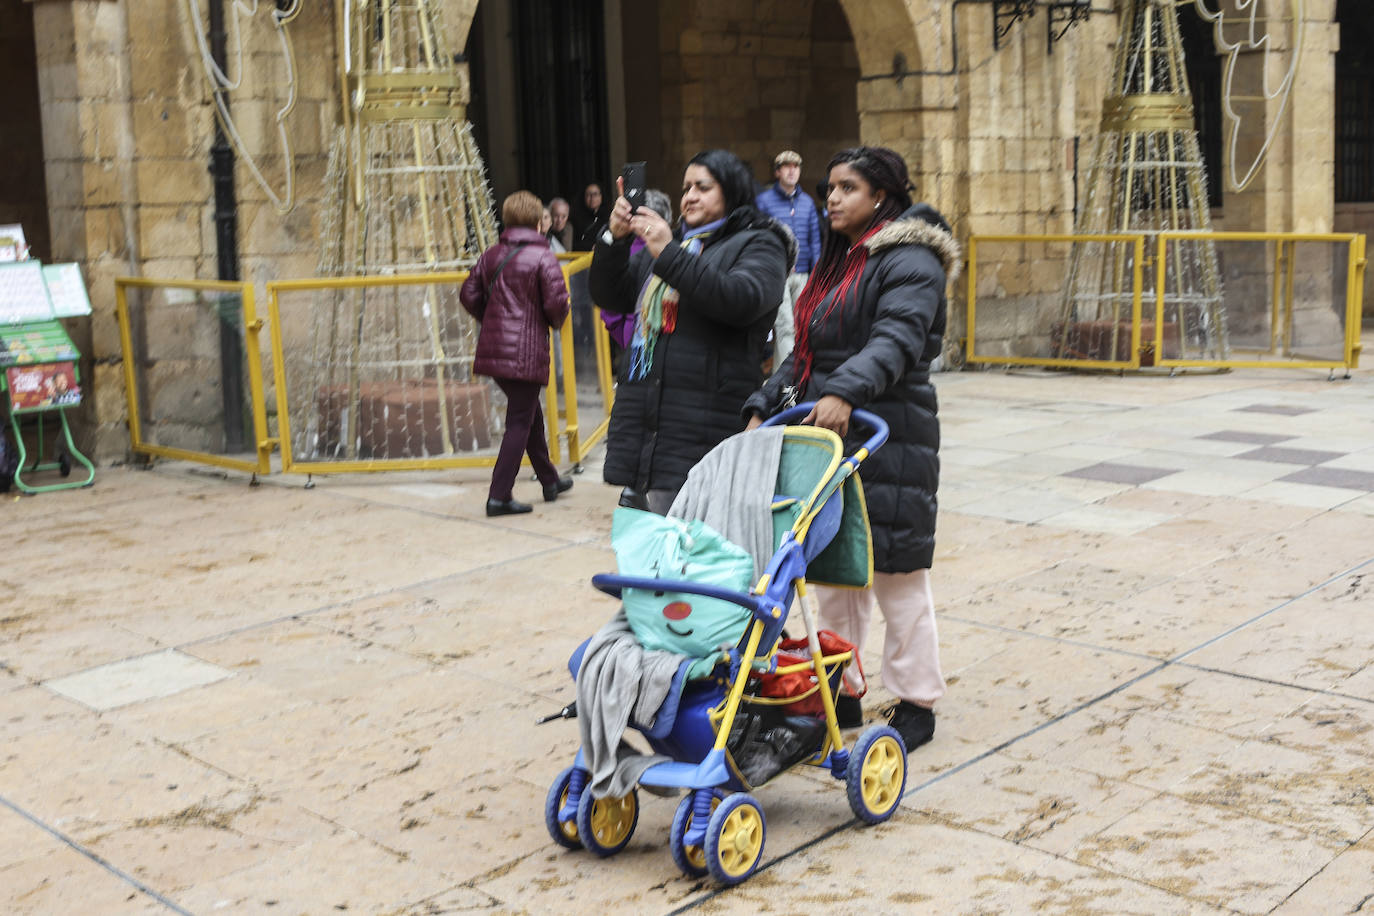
point(657, 547)
point(781, 686)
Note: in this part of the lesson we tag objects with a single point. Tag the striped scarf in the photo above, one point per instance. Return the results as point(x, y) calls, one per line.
point(656, 308)
point(843, 273)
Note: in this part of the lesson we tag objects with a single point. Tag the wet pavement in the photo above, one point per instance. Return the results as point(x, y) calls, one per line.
point(1155, 599)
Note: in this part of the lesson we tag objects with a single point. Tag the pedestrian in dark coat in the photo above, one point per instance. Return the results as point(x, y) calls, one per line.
point(703, 300)
point(869, 324)
point(516, 290)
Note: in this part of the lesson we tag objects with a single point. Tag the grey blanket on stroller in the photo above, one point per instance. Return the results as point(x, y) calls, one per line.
point(619, 681)
point(731, 489)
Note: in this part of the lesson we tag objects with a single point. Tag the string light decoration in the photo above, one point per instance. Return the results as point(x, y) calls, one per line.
point(385, 372)
point(1146, 174)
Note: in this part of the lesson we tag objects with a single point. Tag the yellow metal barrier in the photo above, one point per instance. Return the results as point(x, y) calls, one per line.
point(1283, 349)
point(1281, 346)
point(562, 421)
point(252, 328)
point(562, 412)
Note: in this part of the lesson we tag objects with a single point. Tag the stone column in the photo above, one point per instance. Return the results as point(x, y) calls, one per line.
point(86, 93)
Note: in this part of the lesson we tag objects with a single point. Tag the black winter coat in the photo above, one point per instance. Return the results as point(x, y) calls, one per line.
point(516, 306)
point(875, 353)
point(702, 373)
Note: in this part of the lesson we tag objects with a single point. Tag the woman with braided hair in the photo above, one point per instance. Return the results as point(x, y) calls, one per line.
point(868, 324)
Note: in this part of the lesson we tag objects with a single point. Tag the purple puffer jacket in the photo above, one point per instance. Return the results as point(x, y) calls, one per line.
point(525, 299)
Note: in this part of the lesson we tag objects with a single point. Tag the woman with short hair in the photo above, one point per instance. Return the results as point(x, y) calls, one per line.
point(517, 292)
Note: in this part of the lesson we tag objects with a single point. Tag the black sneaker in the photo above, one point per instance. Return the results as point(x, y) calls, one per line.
point(849, 712)
point(915, 724)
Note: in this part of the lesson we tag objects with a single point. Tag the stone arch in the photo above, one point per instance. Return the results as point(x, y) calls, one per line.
point(884, 34)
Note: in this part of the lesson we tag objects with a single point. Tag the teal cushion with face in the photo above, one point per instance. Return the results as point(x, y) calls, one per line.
point(653, 546)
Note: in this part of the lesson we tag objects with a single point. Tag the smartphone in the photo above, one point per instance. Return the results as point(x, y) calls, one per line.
point(633, 173)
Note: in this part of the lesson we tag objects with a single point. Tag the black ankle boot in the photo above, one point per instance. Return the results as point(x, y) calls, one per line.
point(509, 507)
point(915, 724)
point(849, 712)
point(634, 499)
point(561, 485)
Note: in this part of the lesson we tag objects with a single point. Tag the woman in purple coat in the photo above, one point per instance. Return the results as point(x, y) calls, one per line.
point(517, 292)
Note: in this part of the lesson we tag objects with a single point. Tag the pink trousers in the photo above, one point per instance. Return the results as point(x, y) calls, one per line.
point(911, 645)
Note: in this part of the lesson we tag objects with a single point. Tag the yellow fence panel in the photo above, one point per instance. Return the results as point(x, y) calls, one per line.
point(375, 374)
point(1290, 300)
point(193, 372)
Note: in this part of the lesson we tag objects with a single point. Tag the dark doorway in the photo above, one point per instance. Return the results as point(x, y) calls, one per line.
point(541, 71)
point(1203, 68)
point(1355, 104)
point(23, 195)
point(560, 53)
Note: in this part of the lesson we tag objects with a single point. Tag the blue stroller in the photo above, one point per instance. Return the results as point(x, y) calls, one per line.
point(710, 727)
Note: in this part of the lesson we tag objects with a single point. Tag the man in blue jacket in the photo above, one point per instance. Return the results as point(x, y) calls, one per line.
point(788, 204)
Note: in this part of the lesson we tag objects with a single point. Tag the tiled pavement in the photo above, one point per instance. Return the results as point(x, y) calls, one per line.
point(1155, 599)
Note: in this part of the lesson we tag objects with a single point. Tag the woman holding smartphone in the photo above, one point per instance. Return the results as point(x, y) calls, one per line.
point(703, 299)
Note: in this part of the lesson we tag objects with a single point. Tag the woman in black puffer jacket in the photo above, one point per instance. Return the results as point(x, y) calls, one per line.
point(704, 300)
point(869, 323)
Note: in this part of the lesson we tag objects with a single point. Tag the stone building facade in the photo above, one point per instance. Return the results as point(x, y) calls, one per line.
point(989, 111)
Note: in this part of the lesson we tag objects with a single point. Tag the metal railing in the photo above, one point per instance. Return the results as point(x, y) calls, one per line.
point(1291, 300)
point(166, 331)
point(150, 399)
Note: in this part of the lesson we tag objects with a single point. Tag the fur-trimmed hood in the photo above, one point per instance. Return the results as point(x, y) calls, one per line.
point(922, 225)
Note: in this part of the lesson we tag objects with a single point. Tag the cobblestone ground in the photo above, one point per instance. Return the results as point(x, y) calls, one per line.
point(1154, 598)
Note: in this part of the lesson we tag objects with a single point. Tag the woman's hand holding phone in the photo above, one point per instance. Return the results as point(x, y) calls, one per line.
point(621, 212)
point(653, 229)
point(645, 223)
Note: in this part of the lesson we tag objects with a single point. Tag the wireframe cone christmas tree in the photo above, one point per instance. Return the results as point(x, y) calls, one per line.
point(407, 193)
point(1146, 175)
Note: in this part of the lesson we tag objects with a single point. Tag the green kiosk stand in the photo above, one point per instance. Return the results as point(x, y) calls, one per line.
point(39, 378)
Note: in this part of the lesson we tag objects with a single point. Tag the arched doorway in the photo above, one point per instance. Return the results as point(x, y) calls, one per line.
point(675, 82)
point(23, 194)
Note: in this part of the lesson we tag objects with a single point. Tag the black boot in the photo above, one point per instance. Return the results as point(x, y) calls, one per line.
point(634, 499)
point(849, 712)
point(509, 507)
point(561, 485)
point(915, 724)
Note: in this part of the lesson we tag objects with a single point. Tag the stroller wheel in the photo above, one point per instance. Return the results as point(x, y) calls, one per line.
point(734, 839)
point(564, 833)
point(876, 774)
point(690, 859)
point(605, 825)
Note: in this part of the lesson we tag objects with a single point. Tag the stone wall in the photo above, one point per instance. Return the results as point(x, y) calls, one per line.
point(127, 127)
point(757, 77)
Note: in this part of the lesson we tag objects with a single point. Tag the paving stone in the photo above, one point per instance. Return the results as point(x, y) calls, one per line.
point(1288, 455)
point(1282, 410)
point(1239, 435)
point(147, 677)
point(1206, 853)
point(1325, 476)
